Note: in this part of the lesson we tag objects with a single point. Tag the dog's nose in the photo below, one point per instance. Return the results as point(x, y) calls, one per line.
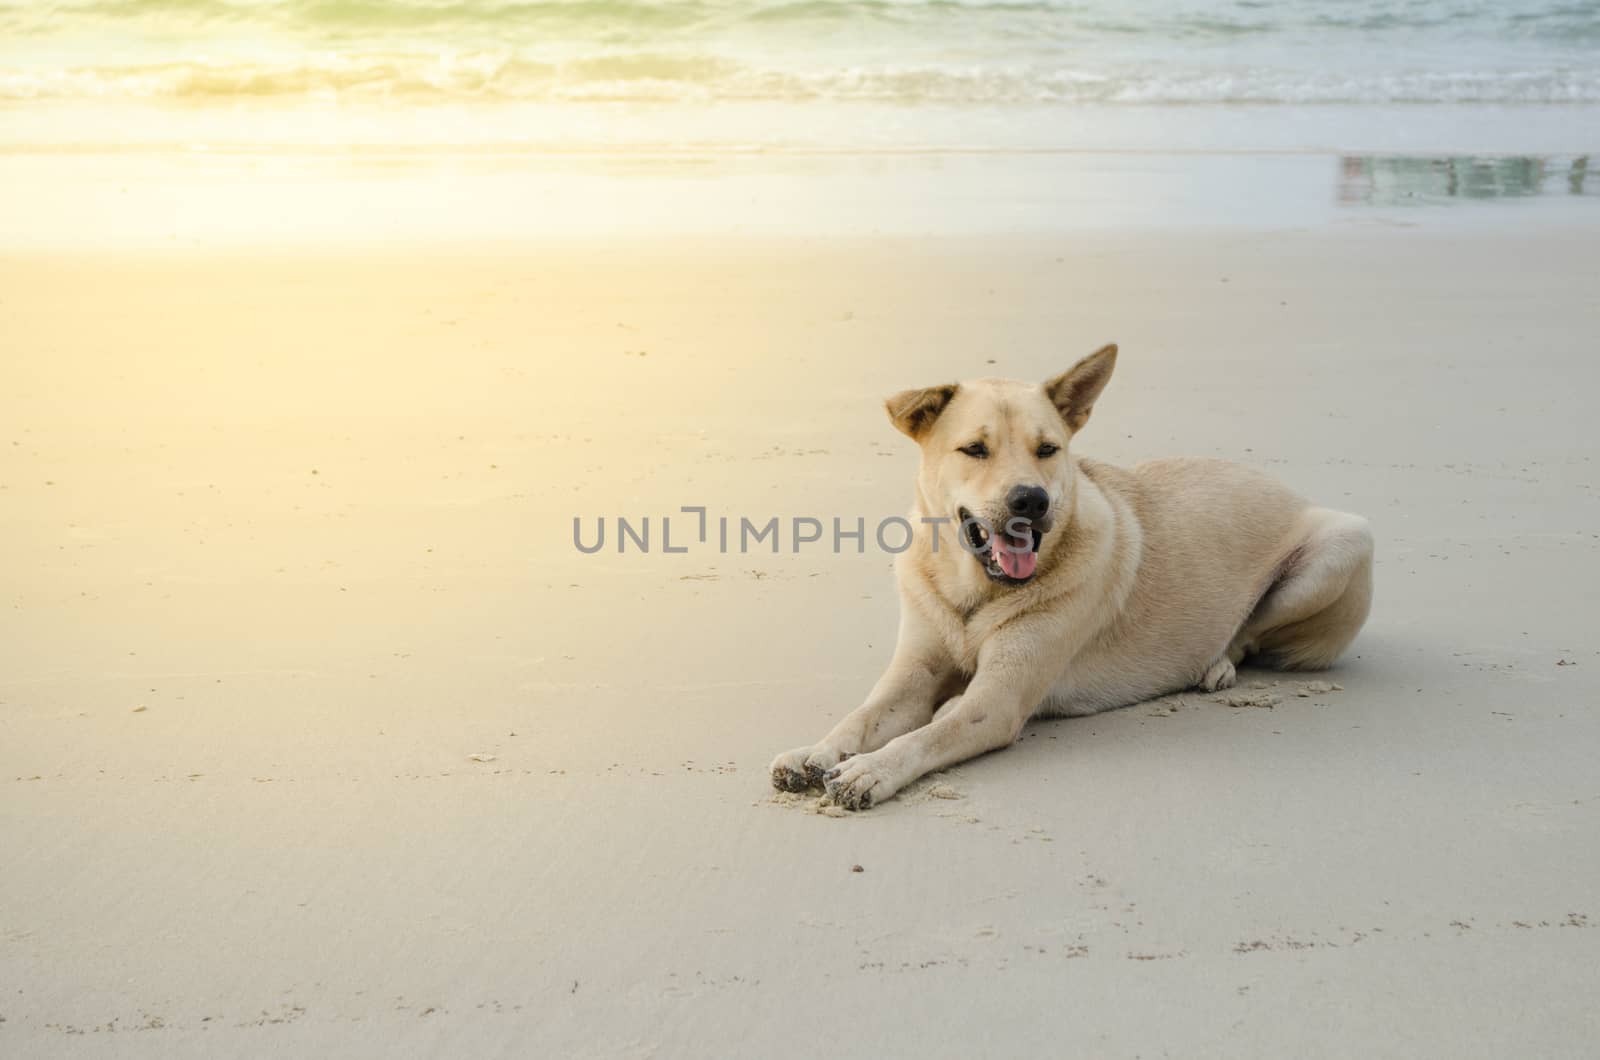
point(1028, 502)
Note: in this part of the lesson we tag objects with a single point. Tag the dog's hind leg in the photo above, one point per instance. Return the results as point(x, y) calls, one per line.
point(1223, 671)
point(1220, 674)
point(1320, 599)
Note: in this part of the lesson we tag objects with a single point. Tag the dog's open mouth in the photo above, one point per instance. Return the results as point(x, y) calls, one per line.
point(1009, 554)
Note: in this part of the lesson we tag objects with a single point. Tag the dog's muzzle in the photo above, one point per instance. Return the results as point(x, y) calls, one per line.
point(1009, 553)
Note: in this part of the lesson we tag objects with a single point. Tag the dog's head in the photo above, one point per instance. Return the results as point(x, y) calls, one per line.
point(994, 458)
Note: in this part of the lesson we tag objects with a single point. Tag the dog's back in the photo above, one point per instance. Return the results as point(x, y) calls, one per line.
point(1213, 535)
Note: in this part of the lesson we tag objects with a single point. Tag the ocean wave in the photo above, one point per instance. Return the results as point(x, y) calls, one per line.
point(524, 21)
point(895, 51)
point(668, 77)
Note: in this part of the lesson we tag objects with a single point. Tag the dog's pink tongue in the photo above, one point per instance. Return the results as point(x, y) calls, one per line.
point(1017, 557)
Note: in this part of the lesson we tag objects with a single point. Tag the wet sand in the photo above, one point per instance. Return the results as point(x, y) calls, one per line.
point(318, 736)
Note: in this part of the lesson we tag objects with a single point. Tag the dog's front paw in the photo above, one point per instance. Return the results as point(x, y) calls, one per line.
point(861, 783)
point(803, 767)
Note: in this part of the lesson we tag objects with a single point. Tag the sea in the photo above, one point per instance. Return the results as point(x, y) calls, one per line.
point(773, 73)
point(1397, 100)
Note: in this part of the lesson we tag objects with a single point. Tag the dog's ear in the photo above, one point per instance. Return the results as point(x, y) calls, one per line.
point(913, 411)
point(1074, 391)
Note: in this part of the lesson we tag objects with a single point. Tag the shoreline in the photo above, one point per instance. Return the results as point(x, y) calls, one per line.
point(733, 126)
point(156, 199)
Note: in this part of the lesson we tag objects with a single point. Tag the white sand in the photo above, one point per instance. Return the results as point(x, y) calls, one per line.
point(313, 514)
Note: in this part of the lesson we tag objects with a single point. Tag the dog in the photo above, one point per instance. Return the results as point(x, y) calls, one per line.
point(1037, 582)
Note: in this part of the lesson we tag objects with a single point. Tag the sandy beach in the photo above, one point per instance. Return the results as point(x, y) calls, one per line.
point(319, 737)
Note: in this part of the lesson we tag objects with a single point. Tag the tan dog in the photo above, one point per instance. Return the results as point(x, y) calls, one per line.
point(1066, 586)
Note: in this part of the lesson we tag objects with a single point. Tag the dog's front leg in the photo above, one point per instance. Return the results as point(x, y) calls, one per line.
point(1010, 684)
point(918, 679)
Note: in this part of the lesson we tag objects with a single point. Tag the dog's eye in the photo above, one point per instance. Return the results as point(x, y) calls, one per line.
point(977, 450)
point(1047, 449)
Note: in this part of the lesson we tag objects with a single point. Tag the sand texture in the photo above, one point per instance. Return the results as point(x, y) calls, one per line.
point(318, 737)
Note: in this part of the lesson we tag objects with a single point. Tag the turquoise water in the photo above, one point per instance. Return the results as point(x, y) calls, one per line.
point(970, 73)
point(906, 51)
